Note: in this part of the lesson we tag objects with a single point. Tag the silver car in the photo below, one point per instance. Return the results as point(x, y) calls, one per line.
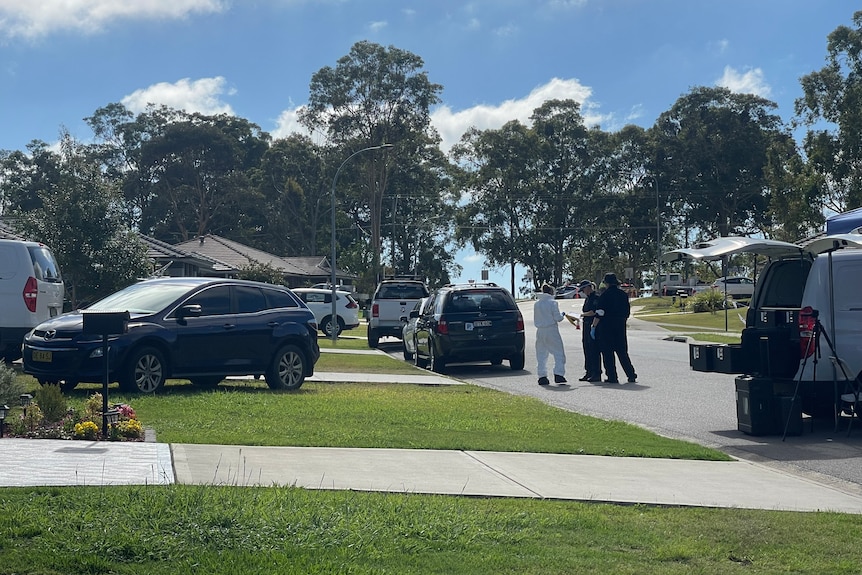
point(409, 329)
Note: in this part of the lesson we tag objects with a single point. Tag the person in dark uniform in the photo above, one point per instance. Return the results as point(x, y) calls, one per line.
point(609, 330)
point(592, 354)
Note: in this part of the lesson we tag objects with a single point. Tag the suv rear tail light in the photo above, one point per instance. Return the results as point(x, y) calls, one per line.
point(351, 303)
point(807, 331)
point(519, 324)
point(31, 292)
point(375, 310)
point(442, 327)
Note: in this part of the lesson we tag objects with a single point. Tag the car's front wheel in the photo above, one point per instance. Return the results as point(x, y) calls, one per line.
point(144, 371)
point(408, 355)
point(287, 369)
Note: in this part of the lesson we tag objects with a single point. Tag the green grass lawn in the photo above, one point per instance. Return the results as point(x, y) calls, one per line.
point(237, 531)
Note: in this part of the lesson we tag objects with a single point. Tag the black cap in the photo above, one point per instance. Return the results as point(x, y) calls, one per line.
point(584, 284)
point(611, 280)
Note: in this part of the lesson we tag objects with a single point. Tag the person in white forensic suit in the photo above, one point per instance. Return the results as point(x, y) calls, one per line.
point(546, 317)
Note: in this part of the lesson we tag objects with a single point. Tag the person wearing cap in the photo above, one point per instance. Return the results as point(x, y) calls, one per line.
point(592, 355)
point(609, 330)
point(546, 317)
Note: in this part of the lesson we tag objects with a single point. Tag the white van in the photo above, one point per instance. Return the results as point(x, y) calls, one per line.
point(31, 291)
point(781, 354)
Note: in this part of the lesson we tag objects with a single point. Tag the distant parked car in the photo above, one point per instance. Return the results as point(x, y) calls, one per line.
point(409, 329)
point(201, 329)
point(566, 292)
point(736, 287)
point(467, 323)
point(319, 301)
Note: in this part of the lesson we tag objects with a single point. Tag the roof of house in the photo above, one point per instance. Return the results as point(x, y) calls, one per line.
point(237, 256)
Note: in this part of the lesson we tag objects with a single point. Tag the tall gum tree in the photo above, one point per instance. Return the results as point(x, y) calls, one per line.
point(374, 95)
point(831, 107)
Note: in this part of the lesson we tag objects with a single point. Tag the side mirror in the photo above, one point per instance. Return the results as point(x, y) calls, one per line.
point(414, 313)
point(191, 310)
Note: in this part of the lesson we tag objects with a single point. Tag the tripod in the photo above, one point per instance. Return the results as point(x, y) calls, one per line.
point(813, 345)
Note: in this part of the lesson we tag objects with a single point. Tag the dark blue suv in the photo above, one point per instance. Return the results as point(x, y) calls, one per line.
point(201, 329)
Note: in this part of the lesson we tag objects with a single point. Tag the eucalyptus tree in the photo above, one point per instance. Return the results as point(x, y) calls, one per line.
point(373, 96)
point(293, 183)
point(830, 107)
point(71, 205)
point(717, 146)
point(530, 189)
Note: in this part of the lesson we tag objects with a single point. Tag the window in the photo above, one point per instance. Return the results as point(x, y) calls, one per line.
point(278, 299)
point(213, 301)
point(249, 299)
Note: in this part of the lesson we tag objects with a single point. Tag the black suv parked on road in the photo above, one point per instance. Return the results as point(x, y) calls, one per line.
point(467, 323)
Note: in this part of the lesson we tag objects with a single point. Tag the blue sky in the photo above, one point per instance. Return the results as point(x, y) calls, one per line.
point(626, 61)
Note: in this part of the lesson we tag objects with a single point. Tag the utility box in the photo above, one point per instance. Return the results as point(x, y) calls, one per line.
point(755, 406)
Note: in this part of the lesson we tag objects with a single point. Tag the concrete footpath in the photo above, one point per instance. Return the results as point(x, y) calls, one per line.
point(736, 484)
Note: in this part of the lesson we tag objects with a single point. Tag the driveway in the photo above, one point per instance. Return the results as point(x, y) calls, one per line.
point(676, 402)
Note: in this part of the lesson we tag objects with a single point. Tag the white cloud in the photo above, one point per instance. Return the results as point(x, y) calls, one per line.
point(377, 26)
point(202, 96)
point(749, 82)
point(34, 18)
point(452, 125)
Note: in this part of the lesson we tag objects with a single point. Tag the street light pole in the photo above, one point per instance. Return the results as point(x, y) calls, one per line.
point(333, 319)
point(657, 236)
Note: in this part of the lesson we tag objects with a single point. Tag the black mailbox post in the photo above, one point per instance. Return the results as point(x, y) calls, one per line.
point(105, 323)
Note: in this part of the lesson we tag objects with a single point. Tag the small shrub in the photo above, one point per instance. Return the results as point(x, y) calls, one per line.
point(11, 387)
point(708, 300)
point(52, 403)
point(93, 407)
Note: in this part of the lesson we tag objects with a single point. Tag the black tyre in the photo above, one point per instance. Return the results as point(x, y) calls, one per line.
point(496, 360)
point(408, 355)
point(326, 326)
point(144, 371)
point(373, 338)
point(287, 369)
point(207, 382)
point(437, 363)
point(517, 362)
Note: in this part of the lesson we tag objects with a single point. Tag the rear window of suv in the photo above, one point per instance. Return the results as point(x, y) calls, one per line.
point(478, 300)
point(401, 291)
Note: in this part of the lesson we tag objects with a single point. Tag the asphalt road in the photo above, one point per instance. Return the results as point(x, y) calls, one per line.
point(674, 401)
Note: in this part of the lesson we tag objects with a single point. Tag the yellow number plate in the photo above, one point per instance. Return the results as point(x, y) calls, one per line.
point(42, 356)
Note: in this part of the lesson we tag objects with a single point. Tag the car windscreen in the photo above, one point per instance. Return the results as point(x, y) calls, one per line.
point(142, 298)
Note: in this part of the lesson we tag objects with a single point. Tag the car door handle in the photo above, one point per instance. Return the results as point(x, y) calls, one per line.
point(228, 326)
point(272, 324)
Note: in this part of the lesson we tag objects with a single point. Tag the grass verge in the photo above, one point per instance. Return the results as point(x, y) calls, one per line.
point(237, 531)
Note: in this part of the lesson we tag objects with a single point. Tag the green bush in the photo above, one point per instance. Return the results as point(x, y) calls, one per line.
point(707, 300)
point(52, 403)
point(10, 386)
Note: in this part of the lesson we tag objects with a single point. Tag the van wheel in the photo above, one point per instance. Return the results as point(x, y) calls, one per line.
point(144, 371)
point(287, 369)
